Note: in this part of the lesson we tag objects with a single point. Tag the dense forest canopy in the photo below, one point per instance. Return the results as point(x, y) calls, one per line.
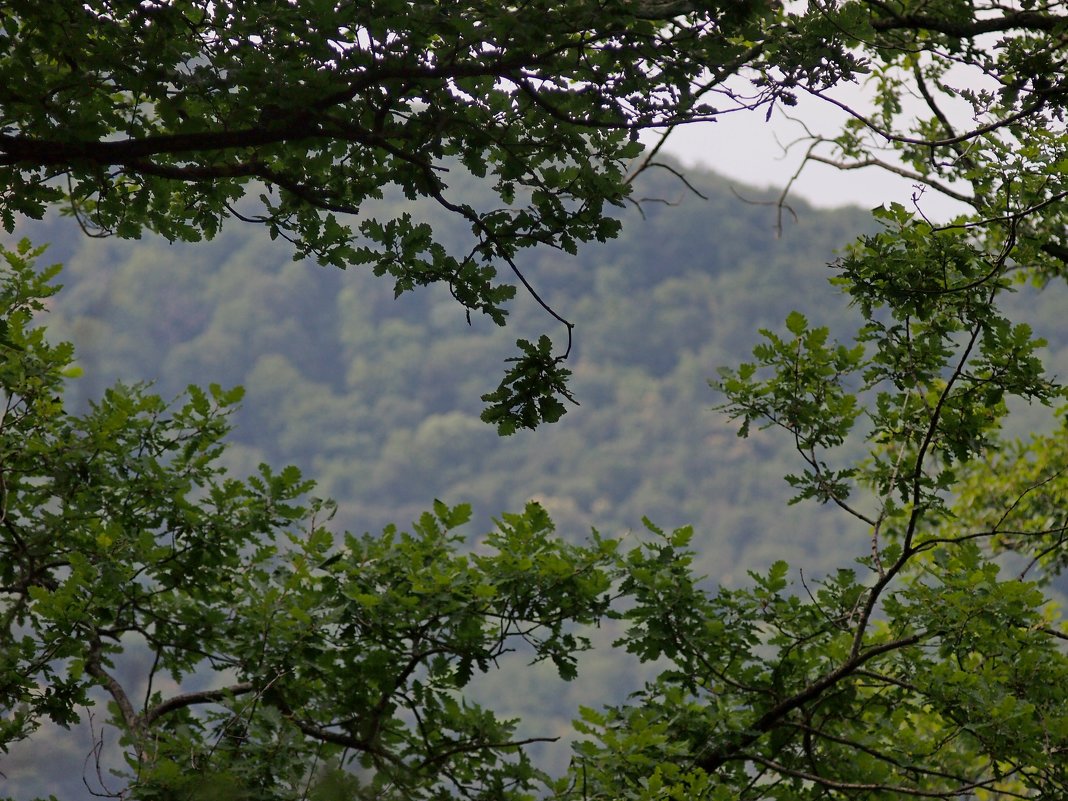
point(273, 655)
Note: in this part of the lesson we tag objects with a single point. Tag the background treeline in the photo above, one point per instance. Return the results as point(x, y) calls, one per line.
point(378, 398)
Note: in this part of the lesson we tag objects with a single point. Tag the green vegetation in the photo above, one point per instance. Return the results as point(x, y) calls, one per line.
point(378, 399)
point(182, 117)
point(247, 648)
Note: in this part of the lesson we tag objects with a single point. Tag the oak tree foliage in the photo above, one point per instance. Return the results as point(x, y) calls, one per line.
point(122, 536)
point(934, 667)
point(170, 116)
point(179, 116)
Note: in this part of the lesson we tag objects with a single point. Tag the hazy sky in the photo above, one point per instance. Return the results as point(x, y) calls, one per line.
point(743, 146)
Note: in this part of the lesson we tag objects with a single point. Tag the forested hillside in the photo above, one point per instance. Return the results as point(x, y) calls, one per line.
point(377, 399)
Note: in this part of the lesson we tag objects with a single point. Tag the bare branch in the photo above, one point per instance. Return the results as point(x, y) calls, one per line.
point(890, 136)
point(904, 172)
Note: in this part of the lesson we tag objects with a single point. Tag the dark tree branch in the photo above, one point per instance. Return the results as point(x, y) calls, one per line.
point(1005, 23)
point(962, 789)
point(192, 699)
point(890, 136)
point(133, 722)
point(774, 716)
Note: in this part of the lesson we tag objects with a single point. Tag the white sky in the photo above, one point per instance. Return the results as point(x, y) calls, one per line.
point(743, 146)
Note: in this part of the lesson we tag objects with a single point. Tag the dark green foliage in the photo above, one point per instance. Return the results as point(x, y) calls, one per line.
point(529, 392)
point(181, 117)
point(122, 534)
point(162, 117)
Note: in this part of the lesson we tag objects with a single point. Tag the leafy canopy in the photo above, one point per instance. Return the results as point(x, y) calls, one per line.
point(130, 560)
point(178, 116)
point(935, 666)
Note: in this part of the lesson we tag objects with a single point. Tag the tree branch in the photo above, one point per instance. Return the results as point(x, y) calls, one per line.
point(773, 716)
point(1011, 21)
point(191, 699)
point(134, 723)
point(965, 788)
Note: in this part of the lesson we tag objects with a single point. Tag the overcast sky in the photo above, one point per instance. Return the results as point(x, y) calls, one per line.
point(745, 147)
